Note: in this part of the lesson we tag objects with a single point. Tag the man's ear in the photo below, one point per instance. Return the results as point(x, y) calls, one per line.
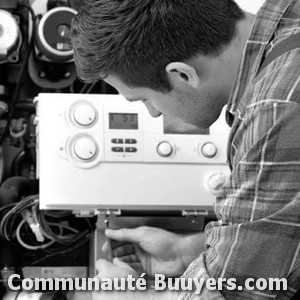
point(180, 73)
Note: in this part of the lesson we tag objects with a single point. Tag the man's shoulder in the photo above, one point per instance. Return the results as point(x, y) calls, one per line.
point(279, 81)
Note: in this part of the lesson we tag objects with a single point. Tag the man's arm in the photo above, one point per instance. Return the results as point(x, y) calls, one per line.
point(258, 232)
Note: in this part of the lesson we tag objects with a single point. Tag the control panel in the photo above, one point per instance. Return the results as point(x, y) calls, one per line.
point(102, 152)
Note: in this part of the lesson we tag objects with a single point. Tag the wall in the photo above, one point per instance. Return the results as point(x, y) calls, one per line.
point(250, 5)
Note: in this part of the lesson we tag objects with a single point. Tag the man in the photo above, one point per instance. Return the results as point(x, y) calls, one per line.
point(187, 59)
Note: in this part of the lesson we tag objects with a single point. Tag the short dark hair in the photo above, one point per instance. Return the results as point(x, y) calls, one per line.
point(136, 39)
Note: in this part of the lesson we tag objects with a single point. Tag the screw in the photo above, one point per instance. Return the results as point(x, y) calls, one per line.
point(67, 75)
point(42, 74)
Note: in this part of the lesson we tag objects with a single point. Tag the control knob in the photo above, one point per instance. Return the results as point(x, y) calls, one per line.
point(164, 149)
point(84, 148)
point(84, 114)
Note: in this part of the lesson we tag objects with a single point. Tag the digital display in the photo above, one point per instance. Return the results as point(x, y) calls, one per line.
point(123, 121)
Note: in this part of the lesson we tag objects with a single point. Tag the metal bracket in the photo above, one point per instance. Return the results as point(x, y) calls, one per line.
point(93, 213)
point(118, 212)
point(86, 213)
point(109, 212)
point(195, 213)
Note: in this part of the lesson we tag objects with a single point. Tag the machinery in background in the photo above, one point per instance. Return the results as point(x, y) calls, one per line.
point(35, 56)
point(50, 64)
point(18, 37)
point(37, 243)
point(14, 44)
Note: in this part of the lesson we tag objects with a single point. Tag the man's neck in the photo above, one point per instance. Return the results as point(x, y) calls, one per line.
point(244, 28)
point(232, 55)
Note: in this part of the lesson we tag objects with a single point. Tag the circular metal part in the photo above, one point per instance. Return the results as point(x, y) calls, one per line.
point(63, 31)
point(1, 30)
point(85, 148)
point(84, 114)
point(9, 33)
point(53, 34)
point(164, 149)
point(209, 150)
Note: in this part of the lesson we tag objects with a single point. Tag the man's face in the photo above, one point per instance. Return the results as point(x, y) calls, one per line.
point(193, 106)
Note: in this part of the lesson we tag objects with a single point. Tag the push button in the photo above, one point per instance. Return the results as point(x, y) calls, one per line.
point(164, 149)
point(130, 141)
point(117, 149)
point(131, 149)
point(117, 141)
point(209, 150)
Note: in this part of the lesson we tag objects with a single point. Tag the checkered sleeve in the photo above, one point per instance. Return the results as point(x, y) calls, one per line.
point(258, 235)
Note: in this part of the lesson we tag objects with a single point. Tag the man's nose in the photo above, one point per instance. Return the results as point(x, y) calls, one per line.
point(152, 110)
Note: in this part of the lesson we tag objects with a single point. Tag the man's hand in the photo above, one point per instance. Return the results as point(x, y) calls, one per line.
point(106, 269)
point(116, 269)
point(152, 250)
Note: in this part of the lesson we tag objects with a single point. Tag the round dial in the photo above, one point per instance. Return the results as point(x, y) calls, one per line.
point(209, 150)
point(214, 182)
point(85, 148)
point(164, 149)
point(84, 114)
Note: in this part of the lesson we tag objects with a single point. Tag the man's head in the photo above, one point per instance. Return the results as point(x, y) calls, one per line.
point(153, 45)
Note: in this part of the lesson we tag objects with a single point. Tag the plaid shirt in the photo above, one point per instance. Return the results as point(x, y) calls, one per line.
point(258, 232)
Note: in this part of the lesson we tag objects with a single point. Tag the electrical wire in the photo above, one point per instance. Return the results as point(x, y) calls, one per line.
point(63, 251)
point(9, 218)
point(49, 232)
point(61, 227)
point(84, 88)
point(60, 240)
point(58, 213)
point(25, 245)
point(7, 206)
point(91, 87)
